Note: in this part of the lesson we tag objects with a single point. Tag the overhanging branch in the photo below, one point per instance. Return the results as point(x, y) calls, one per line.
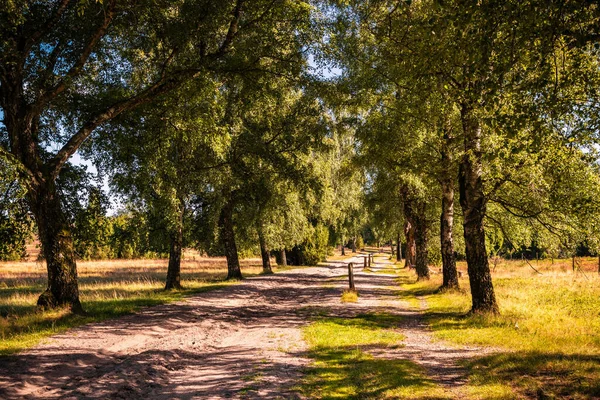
point(162, 86)
point(49, 94)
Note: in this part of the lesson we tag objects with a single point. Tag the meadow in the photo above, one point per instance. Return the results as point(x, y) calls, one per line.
point(545, 343)
point(108, 289)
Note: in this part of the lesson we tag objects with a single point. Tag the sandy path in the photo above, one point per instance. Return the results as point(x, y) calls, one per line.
point(440, 359)
point(242, 341)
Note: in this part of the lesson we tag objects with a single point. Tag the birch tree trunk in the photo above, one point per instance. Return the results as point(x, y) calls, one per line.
point(473, 204)
point(176, 248)
point(264, 252)
point(411, 247)
point(228, 240)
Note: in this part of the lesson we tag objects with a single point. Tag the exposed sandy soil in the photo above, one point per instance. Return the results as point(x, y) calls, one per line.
point(242, 341)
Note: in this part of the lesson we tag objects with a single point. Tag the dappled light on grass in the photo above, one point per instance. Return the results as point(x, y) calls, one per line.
point(352, 374)
point(344, 369)
point(362, 330)
point(547, 337)
point(108, 289)
point(540, 374)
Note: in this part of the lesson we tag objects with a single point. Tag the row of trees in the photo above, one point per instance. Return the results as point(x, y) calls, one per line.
point(210, 122)
point(201, 113)
point(495, 100)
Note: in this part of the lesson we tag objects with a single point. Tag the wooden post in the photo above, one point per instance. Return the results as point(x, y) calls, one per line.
point(369, 260)
point(399, 249)
point(351, 277)
point(365, 262)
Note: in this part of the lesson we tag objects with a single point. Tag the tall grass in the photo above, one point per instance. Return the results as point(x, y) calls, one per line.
point(547, 338)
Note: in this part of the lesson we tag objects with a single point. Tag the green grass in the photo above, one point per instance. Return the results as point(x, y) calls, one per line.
point(387, 271)
point(338, 278)
point(344, 369)
point(547, 336)
point(108, 289)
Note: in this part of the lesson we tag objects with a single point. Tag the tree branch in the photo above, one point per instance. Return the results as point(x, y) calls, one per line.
point(579, 39)
point(508, 207)
point(163, 85)
point(232, 31)
point(76, 68)
point(261, 16)
point(52, 60)
point(48, 26)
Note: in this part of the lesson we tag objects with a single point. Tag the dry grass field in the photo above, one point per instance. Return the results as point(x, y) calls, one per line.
point(546, 340)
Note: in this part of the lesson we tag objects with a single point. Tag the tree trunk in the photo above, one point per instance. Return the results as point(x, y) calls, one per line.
point(354, 244)
point(473, 204)
point(419, 219)
point(398, 248)
point(283, 258)
point(228, 240)
point(174, 269)
point(450, 274)
point(411, 247)
point(264, 252)
point(42, 197)
point(57, 246)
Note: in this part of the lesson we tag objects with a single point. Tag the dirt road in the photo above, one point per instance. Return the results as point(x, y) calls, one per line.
point(242, 341)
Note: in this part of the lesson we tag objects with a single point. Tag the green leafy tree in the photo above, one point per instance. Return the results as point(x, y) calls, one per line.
point(68, 67)
point(163, 153)
point(274, 127)
point(93, 228)
point(16, 225)
point(502, 77)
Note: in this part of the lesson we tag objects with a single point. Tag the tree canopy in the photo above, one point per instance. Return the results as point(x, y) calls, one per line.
point(218, 126)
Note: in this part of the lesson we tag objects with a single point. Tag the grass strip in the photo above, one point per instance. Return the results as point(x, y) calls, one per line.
point(343, 368)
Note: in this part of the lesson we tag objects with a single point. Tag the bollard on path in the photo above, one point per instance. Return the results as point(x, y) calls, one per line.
point(351, 277)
